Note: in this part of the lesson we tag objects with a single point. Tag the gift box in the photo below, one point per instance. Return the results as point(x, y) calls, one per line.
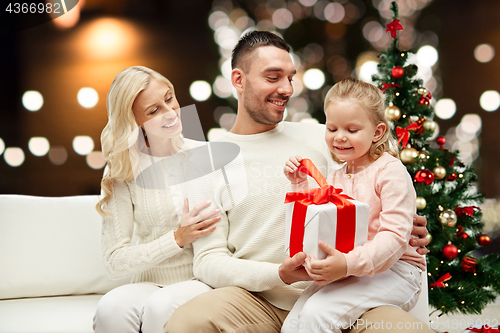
point(323, 214)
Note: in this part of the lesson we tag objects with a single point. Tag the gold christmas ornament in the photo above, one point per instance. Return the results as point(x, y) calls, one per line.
point(422, 91)
point(408, 155)
point(424, 155)
point(430, 125)
point(448, 217)
point(439, 172)
point(392, 113)
point(429, 237)
point(420, 203)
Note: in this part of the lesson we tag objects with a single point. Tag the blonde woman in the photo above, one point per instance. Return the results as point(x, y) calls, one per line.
point(147, 231)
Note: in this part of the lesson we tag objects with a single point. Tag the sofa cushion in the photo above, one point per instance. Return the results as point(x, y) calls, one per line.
point(64, 314)
point(51, 246)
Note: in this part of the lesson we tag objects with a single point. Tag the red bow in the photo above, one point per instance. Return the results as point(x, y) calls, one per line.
point(392, 27)
point(439, 283)
point(326, 193)
point(404, 134)
point(386, 86)
point(462, 211)
point(484, 329)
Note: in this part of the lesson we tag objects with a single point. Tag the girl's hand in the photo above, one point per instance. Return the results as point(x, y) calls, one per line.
point(292, 171)
point(332, 268)
point(192, 225)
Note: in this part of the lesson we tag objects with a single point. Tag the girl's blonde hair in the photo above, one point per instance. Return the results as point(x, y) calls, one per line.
point(121, 126)
point(370, 97)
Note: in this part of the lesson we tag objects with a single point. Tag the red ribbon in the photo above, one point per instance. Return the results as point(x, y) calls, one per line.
point(404, 134)
point(439, 283)
point(484, 329)
point(346, 211)
point(386, 86)
point(393, 27)
point(462, 211)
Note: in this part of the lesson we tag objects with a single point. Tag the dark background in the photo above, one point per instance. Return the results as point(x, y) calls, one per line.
point(174, 38)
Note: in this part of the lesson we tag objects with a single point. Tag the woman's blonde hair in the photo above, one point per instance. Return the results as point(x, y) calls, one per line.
point(121, 126)
point(370, 97)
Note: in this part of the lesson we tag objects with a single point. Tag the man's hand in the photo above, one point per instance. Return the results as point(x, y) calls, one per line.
point(332, 268)
point(419, 230)
point(291, 270)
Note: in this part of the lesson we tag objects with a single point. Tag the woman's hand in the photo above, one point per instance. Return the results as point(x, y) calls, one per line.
point(192, 225)
point(292, 171)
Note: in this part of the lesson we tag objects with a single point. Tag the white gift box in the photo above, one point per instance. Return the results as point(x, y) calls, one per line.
point(321, 224)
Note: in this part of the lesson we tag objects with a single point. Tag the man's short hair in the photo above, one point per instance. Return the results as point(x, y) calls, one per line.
point(251, 41)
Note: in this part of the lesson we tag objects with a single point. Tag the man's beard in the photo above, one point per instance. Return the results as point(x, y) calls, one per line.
point(258, 114)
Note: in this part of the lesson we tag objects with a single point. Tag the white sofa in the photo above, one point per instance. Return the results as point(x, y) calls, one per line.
point(51, 270)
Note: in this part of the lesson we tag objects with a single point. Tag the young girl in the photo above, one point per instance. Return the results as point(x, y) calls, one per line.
point(385, 270)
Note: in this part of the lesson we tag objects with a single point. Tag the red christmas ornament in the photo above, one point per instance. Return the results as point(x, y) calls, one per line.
point(461, 233)
point(483, 240)
point(452, 160)
point(450, 251)
point(397, 72)
point(469, 264)
point(393, 27)
point(441, 141)
point(424, 100)
point(424, 176)
point(453, 176)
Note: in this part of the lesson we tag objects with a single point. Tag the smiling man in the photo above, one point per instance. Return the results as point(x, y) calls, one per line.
point(244, 258)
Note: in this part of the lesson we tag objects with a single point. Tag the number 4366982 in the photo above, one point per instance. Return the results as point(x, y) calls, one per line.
point(33, 8)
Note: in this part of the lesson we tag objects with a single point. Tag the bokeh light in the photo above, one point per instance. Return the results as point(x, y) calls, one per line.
point(227, 121)
point(215, 133)
point(222, 87)
point(427, 56)
point(308, 3)
point(2, 146)
point(366, 71)
point(373, 31)
point(39, 146)
point(200, 90)
point(32, 100)
point(490, 100)
point(282, 18)
point(58, 155)
point(95, 160)
point(109, 38)
point(472, 123)
point(314, 79)
point(334, 12)
point(445, 108)
point(484, 52)
point(297, 86)
point(226, 37)
point(14, 156)
point(69, 19)
point(87, 97)
point(218, 19)
point(83, 144)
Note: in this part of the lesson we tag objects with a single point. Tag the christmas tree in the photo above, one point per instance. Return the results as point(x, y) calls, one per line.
point(446, 194)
